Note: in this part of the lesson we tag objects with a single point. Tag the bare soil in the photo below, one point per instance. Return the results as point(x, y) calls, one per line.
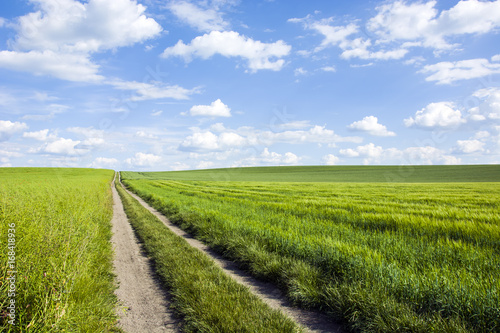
point(144, 305)
point(313, 321)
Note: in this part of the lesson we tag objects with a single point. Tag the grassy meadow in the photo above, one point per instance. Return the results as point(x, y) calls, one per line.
point(63, 255)
point(377, 256)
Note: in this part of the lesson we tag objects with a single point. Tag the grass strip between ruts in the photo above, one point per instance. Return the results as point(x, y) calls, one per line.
point(205, 297)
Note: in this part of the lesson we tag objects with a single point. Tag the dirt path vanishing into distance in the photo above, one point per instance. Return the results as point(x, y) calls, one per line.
point(144, 304)
point(313, 321)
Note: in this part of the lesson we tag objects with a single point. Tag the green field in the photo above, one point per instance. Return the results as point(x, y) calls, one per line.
point(379, 257)
point(357, 174)
point(62, 255)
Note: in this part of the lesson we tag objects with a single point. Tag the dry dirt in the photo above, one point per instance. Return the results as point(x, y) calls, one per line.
point(144, 305)
point(313, 321)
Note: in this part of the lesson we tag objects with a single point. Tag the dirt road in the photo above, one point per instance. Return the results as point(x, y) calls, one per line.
point(144, 304)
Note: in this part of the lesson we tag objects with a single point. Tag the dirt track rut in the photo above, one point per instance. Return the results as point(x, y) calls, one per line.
point(144, 305)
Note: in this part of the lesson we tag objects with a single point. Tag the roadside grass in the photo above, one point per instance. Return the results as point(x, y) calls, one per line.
point(377, 257)
point(63, 255)
point(337, 173)
point(202, 294)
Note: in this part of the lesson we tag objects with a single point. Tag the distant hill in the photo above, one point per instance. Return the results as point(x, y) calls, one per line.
point(397, 174)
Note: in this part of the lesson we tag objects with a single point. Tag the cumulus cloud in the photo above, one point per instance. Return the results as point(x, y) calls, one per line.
point(142, 159)
point(210, 141)
point(427, 155)
point(330, 159)
point(202, 19)
point(420, 22)
point(8, 129)
point(215, 109)
point(63, 146)
point(276, 158)
point(441, 114)
point(448, 72)
point(42, 135)
point(229, 44)
point(469, 146)
point(249, 136)
point(58, 39)
point(104, 163)
point(69, 26)
point(370, 125)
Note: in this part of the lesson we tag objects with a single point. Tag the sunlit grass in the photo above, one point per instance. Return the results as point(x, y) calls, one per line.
point(64, 267)
point(379, 257)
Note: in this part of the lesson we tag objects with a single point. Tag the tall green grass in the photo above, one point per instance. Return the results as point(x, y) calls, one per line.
point(64, 280)
point(207, 299)
point(378, 257)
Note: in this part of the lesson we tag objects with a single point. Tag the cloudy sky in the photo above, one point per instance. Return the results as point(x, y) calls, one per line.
point(187, 84)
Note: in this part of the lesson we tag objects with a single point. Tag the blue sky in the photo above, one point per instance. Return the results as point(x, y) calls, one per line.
point(189, 84)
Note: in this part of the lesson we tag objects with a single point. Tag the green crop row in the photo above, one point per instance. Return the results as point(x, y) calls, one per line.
point(202, 294)
point(59, 220)
point(378, 257)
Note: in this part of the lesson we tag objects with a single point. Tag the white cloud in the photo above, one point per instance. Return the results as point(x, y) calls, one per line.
point(8, 129)
point(104, 163)
point(216, 109)
point(201, 140)
point(300, 71)
point(87, 132)
point(317, 134)
point(71, 67)
point(427, 155)
point(2, 22)
point(42, 135)
point(144, 135)
point(420, 22)
point(331, 69)
point(370, 125)
point(249, 136)
point(469, 146)
point(331, 159)
point(495, 57)
point(63, 147)
point(58, 39)
point(231, 140)
point(447, 72)
point(442, 114)
point(210, 141)
point(69, 26)
point(231, 44)
point(156, 113)
point(275, 158)
point(205, 20)
point(489, 106)
point(155, 90)
point(341, 36)
point(142, 159)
